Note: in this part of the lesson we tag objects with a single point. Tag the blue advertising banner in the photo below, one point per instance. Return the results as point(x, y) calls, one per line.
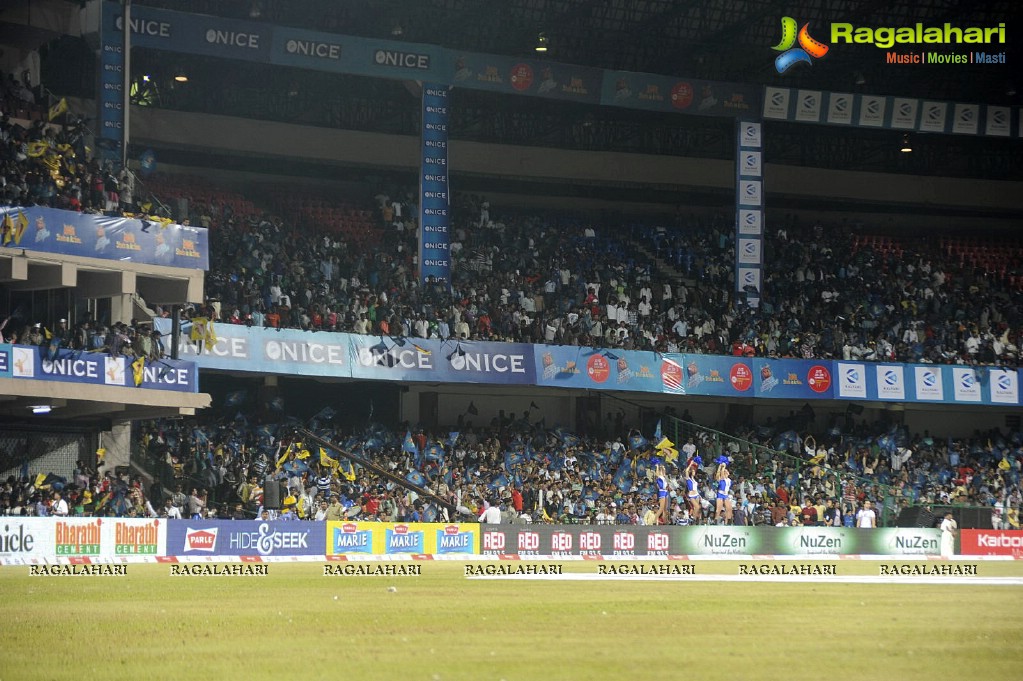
point(111, 84)
point(717, 375)
point(671, 94)
point(75, 366)
point(49, 230)
point(795, 379)
point(245, 538)
point(598, 369)
point(512, 75)
point(419, 359)
point(303, 353)
point(434, 194)
point(362, 56)
point(270, 351)
point(194, 33)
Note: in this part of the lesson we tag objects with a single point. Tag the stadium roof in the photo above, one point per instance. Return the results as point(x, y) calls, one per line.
point(725, 40)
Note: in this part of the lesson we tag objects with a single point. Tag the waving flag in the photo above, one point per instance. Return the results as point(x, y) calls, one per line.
point(434, 452)
point(638, 442)
point(409, 444)
point(137, 370)
point(235, 398)
point(452, 438)
point(657, 431)
point(416, 478)
point(621, 478)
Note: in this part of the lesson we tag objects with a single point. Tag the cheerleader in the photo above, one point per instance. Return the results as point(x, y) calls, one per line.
point(723, 504)
point(662, 492)
point(693, 490)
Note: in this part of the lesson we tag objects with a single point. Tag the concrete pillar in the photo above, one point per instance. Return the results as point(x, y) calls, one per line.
point(117, 442)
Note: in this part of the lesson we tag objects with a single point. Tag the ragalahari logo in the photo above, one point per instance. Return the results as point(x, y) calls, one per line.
point(808, 49)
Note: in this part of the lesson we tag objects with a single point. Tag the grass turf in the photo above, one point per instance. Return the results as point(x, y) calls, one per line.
point(442, 626)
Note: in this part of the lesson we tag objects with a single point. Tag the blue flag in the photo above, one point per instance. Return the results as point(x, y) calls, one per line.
point(638, 442)
point(416, 478)
point(452, 438)
point(621, 479)
point(409, 445)
point(434, 452)
point(657, 432)
point(235, 399)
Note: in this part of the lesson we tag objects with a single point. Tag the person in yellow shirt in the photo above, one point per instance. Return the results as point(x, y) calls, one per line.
point(289, 506)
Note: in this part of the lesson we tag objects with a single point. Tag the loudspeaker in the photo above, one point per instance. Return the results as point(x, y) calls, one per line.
point(272, 494)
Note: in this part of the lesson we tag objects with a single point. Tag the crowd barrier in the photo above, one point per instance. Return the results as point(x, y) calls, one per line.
point(122, 539)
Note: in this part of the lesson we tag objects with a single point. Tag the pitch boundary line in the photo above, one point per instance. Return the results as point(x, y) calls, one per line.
point(776, 579)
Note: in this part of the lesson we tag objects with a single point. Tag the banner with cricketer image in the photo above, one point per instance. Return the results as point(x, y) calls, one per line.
point(372, 538)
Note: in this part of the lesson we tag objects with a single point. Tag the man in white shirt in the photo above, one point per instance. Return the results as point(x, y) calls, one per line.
point(491, 516)
point(949, 527)
point(170, 511)
point(866, 517)
point(59, 506)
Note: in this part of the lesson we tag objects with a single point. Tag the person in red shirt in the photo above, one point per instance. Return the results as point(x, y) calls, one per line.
point(809, 513)
point(516, 497)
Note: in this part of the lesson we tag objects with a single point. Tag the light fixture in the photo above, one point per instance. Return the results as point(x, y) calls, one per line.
point(181, 76)
point(145, 78)
point(255, 11)
point(41, 408)
point(906, 146)
point(541, 42)
point(859, 79)
point(397, 31)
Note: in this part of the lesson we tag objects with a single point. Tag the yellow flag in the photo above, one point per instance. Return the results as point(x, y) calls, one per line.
point(665, 443)
point(37, 149)
point(211, 336)
point(303, 453)
point(284, 457)
point(1004, 464)
point(198, 328)
point(670, 454)
point(39, 480)
point(348, 472)
point(8, 229)
point(137, 369)
point(58, 108)
point(19, 231)
point(325, 460)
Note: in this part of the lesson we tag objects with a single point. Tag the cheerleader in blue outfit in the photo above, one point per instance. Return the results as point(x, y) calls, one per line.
point(693, 490)
point(662, 491)
point(723, 502)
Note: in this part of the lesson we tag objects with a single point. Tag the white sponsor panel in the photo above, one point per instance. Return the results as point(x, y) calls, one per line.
point(749, 251)
point(928, 384)
point(750, 193)
point(932, 118)
point(1004, 386)
point(904, 113)
point(852, 380)
point(808, 106)
point(890, 382)
point(872, 111)
point(966, 119)
point(998, 120)
point(965, 385)
point(751, 221)
point(776, 102)
point(840, 108)
point(23, 362)
point(750, 136)
point(749, 163)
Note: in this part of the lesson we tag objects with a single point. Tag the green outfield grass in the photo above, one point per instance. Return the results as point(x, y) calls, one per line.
point(297, 623)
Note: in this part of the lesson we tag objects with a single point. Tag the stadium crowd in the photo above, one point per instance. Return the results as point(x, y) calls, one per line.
point(562, 280)
point(781, 476)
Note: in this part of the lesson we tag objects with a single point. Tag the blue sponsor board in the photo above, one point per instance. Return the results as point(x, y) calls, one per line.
point(244, 538)
point(434, 204)
point(111, 84)
point(513, 75)
point(452, 539)
point(598, 369)
point(349, 538)
point(793, 379)
point(96, 368)
point(195, 33)
point(65, 232)
point(419, 359)
point(675, 94)
point(404, 539)
point(717, 375)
